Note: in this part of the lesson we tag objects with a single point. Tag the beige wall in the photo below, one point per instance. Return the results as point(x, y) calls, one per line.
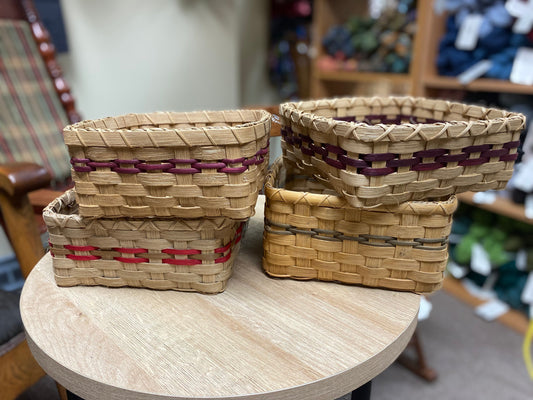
point(137, 55)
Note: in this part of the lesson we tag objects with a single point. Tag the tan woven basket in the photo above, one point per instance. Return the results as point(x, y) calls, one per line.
point(313, 234)
point(187, 165)
point(390, 150)
point(188, 255)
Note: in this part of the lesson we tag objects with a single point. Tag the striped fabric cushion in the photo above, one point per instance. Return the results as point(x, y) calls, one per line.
point(31, 116)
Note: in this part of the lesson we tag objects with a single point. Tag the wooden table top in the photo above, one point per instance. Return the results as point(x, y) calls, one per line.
point(263, 338)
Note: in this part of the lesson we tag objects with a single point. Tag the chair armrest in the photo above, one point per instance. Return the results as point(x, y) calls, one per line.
point(17, 179)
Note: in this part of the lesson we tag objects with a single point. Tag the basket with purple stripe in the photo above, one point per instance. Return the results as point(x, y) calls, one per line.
point(184, 165)
point(391, 150)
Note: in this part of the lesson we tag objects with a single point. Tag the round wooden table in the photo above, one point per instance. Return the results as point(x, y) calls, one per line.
point(263, 338)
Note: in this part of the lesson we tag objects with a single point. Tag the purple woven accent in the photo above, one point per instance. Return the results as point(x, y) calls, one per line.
point(121, 170)
point(376, 171)
point(204, 165)
point(383, 119)
point(82, 168)
point(509, 157)
point(345, 119)
point(334, 149)
point(306, 139)
point(407, 162)
point(262, 152)
point(432, 153)
point(307, 151)
point(477, 149)
point(427, 166)
point(233, 160)
point(75, 160)
point(448, 158)
point(511, 145)
point(154, 167)
point(417, 120)
point(259, 161)
point(250, 161)
point(379, 157)
point(297, 141)
point(495, 153)
point(334, 163)
point(96, 164)
point(183, 161)
point(183, 171)
point(474, 161)
point(318, 149)
point(119, 161)
point(353, 162)
point(233, 170)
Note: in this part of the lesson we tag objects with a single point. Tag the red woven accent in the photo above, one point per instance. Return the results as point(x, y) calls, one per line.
point(186, 261)
point(127, 250)
point(181, 252)
point(82, 258)
point(223, 259)
point(80, 248)
point(223, 249)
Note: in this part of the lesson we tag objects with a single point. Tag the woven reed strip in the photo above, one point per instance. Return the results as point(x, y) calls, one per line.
point(67, 228)
point(462, 126)
point(297, 254)
point(204, 136)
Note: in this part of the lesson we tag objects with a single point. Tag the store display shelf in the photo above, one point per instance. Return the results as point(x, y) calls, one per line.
point(501, 205)
point(479, 85)
point(513, 319)
point(361, 76)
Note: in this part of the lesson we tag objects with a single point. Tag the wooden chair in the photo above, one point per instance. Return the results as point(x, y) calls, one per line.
point(35, 104)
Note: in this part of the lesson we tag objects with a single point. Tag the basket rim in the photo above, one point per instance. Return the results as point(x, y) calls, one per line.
point(82, 126)
point(296, 112)
point(273, 193)
point(52, 216)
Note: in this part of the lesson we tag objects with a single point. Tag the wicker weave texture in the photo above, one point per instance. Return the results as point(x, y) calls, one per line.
point(186, 165)
point(310, 234)
point(178, 254)
point(390, 150)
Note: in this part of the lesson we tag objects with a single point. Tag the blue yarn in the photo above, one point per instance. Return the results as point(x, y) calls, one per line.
point(497, 15)
point(517, 40)
point(496, 40)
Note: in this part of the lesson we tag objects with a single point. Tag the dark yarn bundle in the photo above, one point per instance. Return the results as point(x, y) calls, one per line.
point(496, 42)
point(381, 45)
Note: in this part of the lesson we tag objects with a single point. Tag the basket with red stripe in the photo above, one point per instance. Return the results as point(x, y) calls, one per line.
point(156, 253)
point(383, 151)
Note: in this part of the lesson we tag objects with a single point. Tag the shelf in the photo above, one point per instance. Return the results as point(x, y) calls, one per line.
point(360, 76)
point(501, 205)
point(513, 319)
point(479, 85)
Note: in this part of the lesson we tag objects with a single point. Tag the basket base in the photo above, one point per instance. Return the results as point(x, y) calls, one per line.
point(311, 274)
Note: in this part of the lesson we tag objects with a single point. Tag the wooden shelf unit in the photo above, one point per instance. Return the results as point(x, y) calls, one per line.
point(501, 205)
point(327, 83)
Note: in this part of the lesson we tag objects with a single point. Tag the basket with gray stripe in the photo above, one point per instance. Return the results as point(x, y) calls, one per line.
point(313, 233)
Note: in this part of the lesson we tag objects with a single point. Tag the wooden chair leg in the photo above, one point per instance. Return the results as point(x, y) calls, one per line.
point(22, 230)
point(62, 392)
point(18, 371)
point(417, 365)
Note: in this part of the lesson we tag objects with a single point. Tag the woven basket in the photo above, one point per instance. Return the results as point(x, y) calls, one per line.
point(188, 255)
point(187, 165)
point(313, 234)
point(390, 150)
